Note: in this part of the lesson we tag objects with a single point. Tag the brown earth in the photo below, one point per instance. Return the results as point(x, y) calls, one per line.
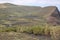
point(21, 36)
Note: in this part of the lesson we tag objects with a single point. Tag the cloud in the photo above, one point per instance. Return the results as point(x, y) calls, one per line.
point(34, 2)
point(24, 2)
point(50, 2)
point(37, 2)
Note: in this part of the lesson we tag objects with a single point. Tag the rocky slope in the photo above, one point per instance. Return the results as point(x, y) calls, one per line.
point(11, 14)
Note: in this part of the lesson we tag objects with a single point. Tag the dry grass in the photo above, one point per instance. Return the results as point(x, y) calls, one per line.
point(55, 33)
point(46, 30)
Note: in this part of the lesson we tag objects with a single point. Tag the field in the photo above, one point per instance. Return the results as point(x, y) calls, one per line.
point(40, 32)
point(19, 22)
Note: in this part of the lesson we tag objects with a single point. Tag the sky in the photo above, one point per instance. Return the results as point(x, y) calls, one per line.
point(41, 3)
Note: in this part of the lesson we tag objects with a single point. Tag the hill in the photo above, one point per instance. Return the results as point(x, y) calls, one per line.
point(11, 15)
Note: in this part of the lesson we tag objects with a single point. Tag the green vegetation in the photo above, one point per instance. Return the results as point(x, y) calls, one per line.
point(30, 15)
point(53, 31)
point(14, 18)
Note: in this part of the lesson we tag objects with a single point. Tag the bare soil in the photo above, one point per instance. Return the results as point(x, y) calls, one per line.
point(22, 36)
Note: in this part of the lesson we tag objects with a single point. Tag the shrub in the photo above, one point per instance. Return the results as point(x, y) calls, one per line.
point(38, 30)
point(9, 29)
point(28, 29)
point(2, 29)
point(47, 30)
point(55, 33)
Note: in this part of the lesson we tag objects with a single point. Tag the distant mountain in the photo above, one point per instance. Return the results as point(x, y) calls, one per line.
point(11, 14)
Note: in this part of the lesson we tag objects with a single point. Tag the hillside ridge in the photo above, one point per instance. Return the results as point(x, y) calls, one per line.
point(30, 15)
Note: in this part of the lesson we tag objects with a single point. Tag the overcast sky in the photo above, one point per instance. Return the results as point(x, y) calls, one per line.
point(34, 2)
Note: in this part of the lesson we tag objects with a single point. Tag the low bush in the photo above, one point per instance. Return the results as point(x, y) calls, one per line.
point(9, 29)
point(54, 31)
point(38, 30)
